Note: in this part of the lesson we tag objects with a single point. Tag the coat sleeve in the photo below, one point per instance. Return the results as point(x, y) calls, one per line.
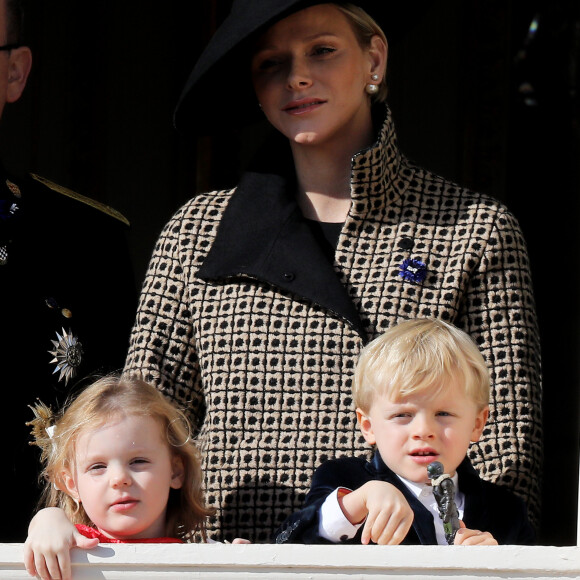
point(162, 348)
point(302, 526)
point(526, 534)
point(499, 313)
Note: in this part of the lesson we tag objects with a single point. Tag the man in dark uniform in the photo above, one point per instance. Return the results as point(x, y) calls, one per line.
point(67, 298)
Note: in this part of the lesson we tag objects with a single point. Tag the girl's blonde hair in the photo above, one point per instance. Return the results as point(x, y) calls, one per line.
point(110, 398)
point(419, 356)
point(365, 27)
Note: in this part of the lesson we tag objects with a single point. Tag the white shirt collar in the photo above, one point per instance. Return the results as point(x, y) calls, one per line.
point(417, 488)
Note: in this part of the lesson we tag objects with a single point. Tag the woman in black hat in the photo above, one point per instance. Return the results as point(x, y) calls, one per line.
point(258, 299)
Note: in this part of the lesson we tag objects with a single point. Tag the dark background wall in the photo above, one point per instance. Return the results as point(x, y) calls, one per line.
point(477, 96)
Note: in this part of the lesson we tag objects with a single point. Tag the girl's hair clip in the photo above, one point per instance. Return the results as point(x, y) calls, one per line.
point(42, 428)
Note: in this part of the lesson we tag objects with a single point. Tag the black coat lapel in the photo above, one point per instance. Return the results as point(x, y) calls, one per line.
point(263, 235)
point(475, 509)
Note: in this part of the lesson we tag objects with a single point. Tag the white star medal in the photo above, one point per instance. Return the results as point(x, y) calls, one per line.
point(68, 355)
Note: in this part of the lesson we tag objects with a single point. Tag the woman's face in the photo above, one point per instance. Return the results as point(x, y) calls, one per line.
point(310, 73)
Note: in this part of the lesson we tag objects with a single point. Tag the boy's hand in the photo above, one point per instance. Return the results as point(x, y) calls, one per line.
point(467, 537)
point(388, 515)
point(50, 539)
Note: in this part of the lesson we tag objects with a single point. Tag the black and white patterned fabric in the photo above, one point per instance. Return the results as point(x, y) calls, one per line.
point(245, 323)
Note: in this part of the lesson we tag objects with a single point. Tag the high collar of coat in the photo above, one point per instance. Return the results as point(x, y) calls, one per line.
point(377, 172)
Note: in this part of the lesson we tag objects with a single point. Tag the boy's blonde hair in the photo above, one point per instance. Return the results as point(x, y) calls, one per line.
point(418, 356)
point(109, 399)
point(365, 27)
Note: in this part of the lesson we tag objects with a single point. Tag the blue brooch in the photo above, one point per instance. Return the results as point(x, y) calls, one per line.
point(413, 270)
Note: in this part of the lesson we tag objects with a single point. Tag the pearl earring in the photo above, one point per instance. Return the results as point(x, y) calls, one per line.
point(375, 77)
point(372, 89)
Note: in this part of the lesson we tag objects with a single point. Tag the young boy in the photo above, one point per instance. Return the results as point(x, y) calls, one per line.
point(421, 392)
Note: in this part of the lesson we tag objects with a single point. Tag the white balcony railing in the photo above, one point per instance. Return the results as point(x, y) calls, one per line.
point(269, 561)
point(225, 562)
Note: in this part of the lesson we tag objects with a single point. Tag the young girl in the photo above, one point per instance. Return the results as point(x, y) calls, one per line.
point(121, 463)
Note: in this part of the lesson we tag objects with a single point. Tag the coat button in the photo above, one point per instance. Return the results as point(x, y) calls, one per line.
point(51, 302)
point(406, 243)
point(288, 276)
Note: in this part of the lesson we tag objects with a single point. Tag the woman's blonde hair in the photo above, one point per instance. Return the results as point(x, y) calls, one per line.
point(419, 356)
point(110, 398)
point(365, 27)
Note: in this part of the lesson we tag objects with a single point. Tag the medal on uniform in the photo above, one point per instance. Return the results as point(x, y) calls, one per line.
point(68, 355)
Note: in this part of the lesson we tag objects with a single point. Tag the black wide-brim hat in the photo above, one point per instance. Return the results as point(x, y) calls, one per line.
point(219, 93)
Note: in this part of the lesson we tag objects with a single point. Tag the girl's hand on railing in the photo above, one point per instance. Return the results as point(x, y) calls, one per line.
point(50, 539)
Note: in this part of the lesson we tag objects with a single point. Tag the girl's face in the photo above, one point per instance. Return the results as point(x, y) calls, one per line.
point(310, 73)
point(122, 476)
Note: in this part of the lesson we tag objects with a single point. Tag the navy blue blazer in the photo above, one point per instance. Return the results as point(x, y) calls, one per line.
point(488, 507)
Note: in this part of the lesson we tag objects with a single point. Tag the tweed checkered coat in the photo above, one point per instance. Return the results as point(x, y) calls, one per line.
point(245, 322)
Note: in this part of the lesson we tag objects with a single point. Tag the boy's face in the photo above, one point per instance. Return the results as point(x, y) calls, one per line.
point(412, 432)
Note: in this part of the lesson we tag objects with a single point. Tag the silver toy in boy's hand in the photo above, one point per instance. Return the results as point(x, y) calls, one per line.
point(444, 492)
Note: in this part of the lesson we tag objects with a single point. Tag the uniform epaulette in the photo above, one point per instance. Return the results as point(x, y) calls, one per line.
point(83, 199)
